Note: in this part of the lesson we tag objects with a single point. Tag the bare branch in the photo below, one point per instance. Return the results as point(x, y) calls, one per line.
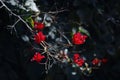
point(56, 12)
point(65, 37)
point(3, 4)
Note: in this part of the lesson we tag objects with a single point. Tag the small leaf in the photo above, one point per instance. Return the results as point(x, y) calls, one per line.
point(30, 21)
point(83, 30)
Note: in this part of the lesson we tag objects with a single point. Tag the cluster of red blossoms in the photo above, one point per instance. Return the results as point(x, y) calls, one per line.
point(80, 60)
point(38, 37)
point(79, 38)
point(97, 61)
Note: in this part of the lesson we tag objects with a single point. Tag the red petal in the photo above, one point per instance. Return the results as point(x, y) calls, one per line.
point(78, 38)
point(38, 25)
point(37, 57)
point(39, 37)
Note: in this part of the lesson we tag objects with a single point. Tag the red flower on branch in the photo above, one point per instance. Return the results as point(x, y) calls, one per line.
point(76, 56)
point(38, 26)
point(78, 60)
point(96, 61)
point(104, 60)
point(78, 38)
point(39, 37)
point(37, 57)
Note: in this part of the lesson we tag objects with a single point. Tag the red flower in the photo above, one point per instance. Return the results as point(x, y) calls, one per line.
point(38, 26)
point(39, 37)
point(79, 61)
point(104, 60)
point(96, 61)
point(76, 56)
point(78, 38)
point(37, 57)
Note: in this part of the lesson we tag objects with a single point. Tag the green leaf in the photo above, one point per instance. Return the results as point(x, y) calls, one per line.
point(30, 21)
point(83, 30)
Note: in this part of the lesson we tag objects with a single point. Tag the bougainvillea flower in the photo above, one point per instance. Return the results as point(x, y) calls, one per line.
point(37, 57)
point(38, 25)
point(39, 37)
point(96, 61)
point(78, 38)
point(78, 60)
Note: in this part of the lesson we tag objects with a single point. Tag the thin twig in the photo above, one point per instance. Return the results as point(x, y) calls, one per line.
point(65, 38)
point(3, 4)
point(56, 12)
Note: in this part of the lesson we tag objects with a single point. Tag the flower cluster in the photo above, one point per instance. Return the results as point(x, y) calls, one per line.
point(38, 38)
point(78, 38)
point(39, 35)
point(78, 60)
point(97, 62)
